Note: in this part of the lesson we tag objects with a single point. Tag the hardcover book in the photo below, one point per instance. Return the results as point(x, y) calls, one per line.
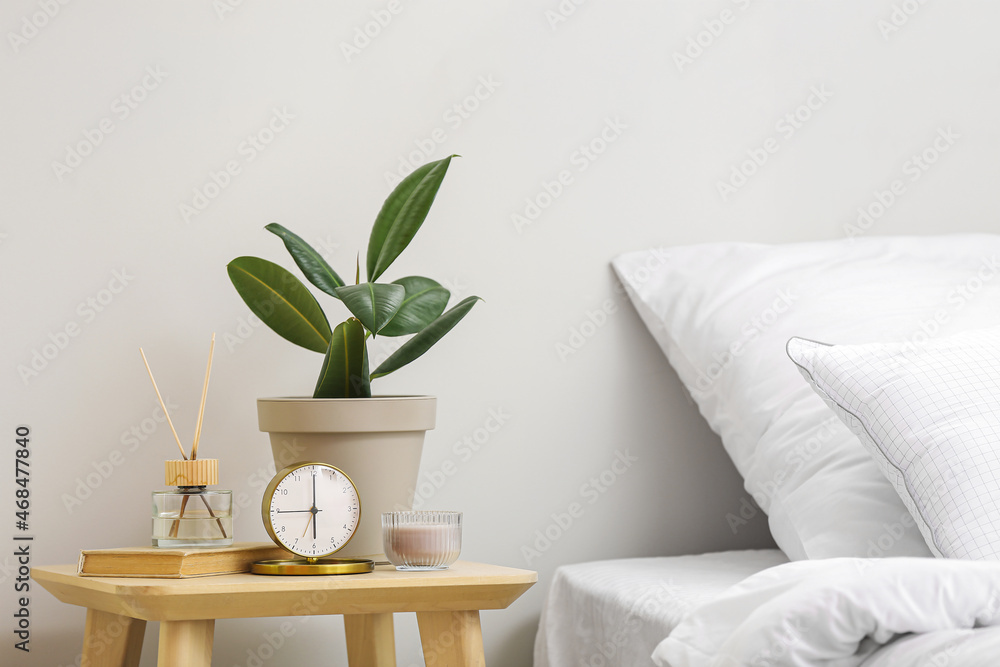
point(175, 563)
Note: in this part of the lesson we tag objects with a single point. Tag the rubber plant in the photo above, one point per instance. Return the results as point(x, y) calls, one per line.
point(408, 306)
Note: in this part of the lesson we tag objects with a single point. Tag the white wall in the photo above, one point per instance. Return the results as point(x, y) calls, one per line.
point(609, 67)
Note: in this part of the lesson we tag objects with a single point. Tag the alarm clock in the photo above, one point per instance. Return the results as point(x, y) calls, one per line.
point(311, 510)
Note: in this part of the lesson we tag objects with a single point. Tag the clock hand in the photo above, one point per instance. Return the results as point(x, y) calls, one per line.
point(292, 511)
point(312, 516)
point(313, 508)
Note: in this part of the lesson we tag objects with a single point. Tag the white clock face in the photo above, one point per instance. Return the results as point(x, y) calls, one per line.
point(314, 510)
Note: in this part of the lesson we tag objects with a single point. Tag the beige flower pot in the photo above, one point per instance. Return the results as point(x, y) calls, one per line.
point(376, 441)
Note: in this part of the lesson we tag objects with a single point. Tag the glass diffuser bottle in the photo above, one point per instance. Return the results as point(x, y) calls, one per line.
point(190, 514)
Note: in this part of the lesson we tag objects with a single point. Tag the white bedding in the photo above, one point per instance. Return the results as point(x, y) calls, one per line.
point(847, 612)
point(614, 613)
point(944, 648)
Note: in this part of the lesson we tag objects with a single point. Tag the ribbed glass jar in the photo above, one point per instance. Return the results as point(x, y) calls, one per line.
point(422, 540)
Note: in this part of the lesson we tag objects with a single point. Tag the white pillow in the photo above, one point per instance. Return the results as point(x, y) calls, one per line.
point(930, 416)
point(723, 312)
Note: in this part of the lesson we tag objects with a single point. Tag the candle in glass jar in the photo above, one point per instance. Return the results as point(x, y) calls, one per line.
point(422, 540)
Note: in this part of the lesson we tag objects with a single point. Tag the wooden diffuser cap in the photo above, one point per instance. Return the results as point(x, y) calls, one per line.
point(199, 472)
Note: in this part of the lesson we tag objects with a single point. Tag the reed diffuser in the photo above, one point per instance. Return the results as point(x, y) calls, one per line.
point(190, 514)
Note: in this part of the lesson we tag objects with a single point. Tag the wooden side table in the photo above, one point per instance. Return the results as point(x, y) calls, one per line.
point(447, 604)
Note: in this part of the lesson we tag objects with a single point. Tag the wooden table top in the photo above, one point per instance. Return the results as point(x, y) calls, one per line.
point(463, 586)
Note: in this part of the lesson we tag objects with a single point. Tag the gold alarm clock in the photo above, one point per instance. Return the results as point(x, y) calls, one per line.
point(311, 510)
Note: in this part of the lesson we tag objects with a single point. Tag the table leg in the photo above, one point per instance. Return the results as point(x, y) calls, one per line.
point(186, 643)
point(110, 640)
point(371, 641)
point(451, 638)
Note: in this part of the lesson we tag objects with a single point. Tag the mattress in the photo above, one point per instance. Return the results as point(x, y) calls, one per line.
point(613, 613)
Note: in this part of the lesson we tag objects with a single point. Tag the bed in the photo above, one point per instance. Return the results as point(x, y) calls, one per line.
point(617, 611)
point(855, 384)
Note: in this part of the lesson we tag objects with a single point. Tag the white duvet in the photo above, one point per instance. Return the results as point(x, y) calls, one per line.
point(841, 612)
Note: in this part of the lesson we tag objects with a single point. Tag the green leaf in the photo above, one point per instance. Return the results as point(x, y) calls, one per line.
point(423, 341)
point(345, 367)
point(425, 301)
point(281, 301)
point(372, 303)
point(313, 266)
point(402, 214)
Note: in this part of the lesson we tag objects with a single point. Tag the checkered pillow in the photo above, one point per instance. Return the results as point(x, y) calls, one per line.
point(929, 414)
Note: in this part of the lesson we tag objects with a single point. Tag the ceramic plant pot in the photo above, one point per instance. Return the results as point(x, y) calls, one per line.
point(376, 441)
